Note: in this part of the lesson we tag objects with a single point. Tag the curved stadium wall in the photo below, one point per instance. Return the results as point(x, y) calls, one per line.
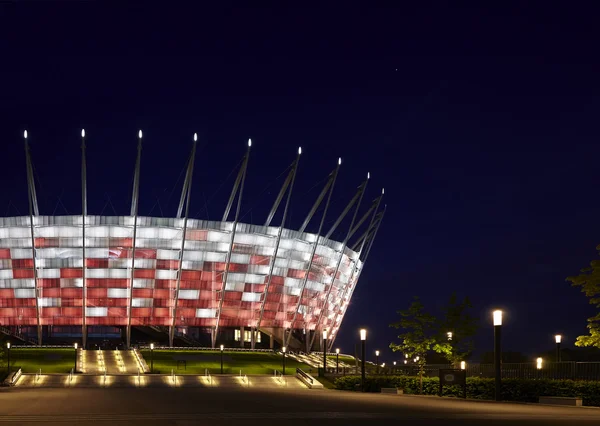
point(244, 292)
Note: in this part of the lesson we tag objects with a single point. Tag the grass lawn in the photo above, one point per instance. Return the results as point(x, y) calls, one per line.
point(233, 362)
point(51, 360)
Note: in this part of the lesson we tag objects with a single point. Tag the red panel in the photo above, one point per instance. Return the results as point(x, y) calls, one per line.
point(145, 253)
point(7, 293)
point(238, 267)
point(96, 263)
point(71, 273)
point(50, 312)
point(162, 312)
point(162, 294)
point(196, 235)
point(144, 273)
point(167, 264)
point(117, 312)
point(142, 292)
point(48, 282)
point(51, 292)
point(22, 273)
point(46, 242)
point(96, 292)
point(260, 260)
point(191, 275)
point(233, 295)
point(22, 263)
point(141, 312)
point(5, 253)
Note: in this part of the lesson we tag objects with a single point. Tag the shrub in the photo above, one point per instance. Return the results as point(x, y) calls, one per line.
point(520, 390)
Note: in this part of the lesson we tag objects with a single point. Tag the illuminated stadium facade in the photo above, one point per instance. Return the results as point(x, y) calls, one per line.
point(180, 274)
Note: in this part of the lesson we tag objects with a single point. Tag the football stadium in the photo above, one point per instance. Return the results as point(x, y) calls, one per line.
point(206, 282)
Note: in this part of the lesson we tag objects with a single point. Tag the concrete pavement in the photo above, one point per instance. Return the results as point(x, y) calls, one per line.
point(255, 406)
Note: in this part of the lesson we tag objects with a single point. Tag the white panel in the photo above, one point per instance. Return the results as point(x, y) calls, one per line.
point(97, 273)
point(218, 237)
point(48, 273)
point(206, 313)
point(143, 283)
point(211, 256)
point(251, 297)
point(240, 258)
point(24, 293)
point(166, 274)
point(96, 253)
point(16, 253)
point(234, 286)
point(121, 232)
point(96, 312)
point(6, 274)
point(117, 293)
point(189, 294)
point(119, 273)
point(167, 254)
point(145, 263)
point(292, 282)
point(137, 302)
point(44, 302)
point(97, 231)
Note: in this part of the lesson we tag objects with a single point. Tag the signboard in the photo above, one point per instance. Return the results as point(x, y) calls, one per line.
point(452, 377)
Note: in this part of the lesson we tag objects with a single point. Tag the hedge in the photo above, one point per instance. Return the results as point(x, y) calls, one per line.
point(521, 390)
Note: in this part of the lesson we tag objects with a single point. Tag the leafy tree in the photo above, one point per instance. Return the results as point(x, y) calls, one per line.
point(589, 282)
point(457, 320)
point(418, 335)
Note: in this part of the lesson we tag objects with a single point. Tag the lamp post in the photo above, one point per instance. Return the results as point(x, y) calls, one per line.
point(283, 358)
point(324, 352)
point(75, 346)
point(497, 316)
point(463, 365)
point(394, 367)
point(377, 361)
point(363, 343)
point(151, 357)
point(222, 347)
point(449, 334)
point(337, 361)
point(8, 348)
point(558, 339)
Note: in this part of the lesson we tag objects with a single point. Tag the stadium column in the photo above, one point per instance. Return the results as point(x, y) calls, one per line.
point(331, 182)
point(375, 229)
point(33, 210)
point(134, 213)
point(351, 231)
point(83, 216)
point(240, 180)
point(187, 189)
point(289, 181)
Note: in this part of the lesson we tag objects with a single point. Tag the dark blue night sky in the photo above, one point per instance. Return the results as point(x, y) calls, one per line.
point(482, 125)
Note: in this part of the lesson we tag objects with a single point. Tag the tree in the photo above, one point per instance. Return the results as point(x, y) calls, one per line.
point(456, 320)
point(418, 335)
point(589, 282)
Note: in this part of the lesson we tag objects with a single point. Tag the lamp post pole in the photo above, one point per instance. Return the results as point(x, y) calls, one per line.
point(222, 347)
point(337, 361)
point(75, 346)
point(324, 352)
point(497, 315)
point(283, 358)
point(8, 348)
point(363, 341)
point(151, 357)
point(558, 339)
point(377, 361)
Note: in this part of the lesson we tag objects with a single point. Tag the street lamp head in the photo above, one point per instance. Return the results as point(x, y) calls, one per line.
point(325, 334)
point(394, 362)
point(417, 358)
point(449, 334)
point(383, 365)
point(363, 334)
point(406, 361)
point(222, 347)
point(7, 345)
point(283, 349)
point(558, 338)
point(83, 133)
point(195, 137)
point(538, 363)
point(376, 353)
point(75, 345)
point(497, 314)
point(140, 134)
point(151, 346)
point(25, 134)
point(337, 351)
point(463, 365)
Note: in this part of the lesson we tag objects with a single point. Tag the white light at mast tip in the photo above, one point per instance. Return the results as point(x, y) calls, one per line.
point(368, 175)
point(339, 161)
point(299, 150)
point(25, 134)
point(140, 134)
point(249, 143)
point(382, 191)
point(83, 133)
point(195, 137)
